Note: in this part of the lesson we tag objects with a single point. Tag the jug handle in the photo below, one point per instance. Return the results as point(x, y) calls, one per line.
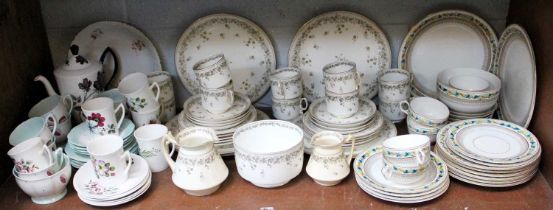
point(350, 156)
point(115, 65)
point(168, 139)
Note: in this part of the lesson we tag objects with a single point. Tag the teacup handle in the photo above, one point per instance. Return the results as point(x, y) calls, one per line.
point(49, 153)
point(56, 154)
point(156, 86)
point(127, 155)
point(419, 154)
point(387, 171)
point(280, 87)
point(54, 120)
point(230, 97)
point(121, 108)
point(304, 104)
point(168, 139)
point(68, 101)
point(404, 106)
point(357, 79)
point(350, 156)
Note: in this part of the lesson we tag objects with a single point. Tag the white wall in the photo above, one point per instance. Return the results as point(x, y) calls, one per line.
point(163, 21)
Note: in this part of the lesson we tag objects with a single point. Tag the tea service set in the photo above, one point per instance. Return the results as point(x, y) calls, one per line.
point(116, 156)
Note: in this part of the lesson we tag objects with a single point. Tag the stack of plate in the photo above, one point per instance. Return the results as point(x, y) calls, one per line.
point(367, 126)
point(457, 116)
point(368, 168)
point(90, 192)
point(79, 136)
point(224, 124)
point(490, 153)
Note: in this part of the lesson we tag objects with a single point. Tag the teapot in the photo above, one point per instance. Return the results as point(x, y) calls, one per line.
point(79, 77)
point(328, 164)
point(199, 169)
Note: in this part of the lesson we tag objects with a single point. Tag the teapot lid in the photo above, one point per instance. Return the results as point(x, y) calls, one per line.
point(77, 65)
point(76, 61)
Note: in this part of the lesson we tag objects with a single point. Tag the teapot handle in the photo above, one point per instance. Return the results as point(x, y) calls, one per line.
point(115, 65)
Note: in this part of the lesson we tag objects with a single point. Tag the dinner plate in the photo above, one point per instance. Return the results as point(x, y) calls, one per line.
point(247, 49)
point(515, 61)
point(339, 36)
point(444, 40)
point(412, 199)
point(134, 51)
point(369, 164)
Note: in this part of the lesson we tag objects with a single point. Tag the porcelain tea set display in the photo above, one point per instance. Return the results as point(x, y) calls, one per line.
point(402, 170)
point(41, 173)
point(425, 116)
point(112, 176)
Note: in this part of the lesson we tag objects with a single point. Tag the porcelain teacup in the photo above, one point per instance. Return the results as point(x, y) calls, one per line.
point(394, 85)
point(328, 164)
point(146, 117)
point(286, 83)
point(31, 156)
point(149, 138)
point(199, 170)
point(341, 77)
point(163, 79)
point(407, 151)
point(426, 111)
point(140, 95)
point(342, 105)
point(111, 164)
point(415, 127)
point(289, 109)
point(391, 110)
point(100, 115)
point(34, 127)
point(60, 108)
point(212, 72)
point(403, 175)
point(45, 172)
point(217, 100)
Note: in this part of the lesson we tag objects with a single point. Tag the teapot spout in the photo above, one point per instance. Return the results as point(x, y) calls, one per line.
point(46, 84)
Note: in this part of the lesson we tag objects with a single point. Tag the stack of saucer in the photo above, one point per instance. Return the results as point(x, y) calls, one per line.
point(403, 170)
point(367, 125)
point(224, 124)
point(93, 193)
point(490, 153)
point(79, 136)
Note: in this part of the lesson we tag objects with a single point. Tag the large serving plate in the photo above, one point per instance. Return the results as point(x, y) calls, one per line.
point(444, 40)
point(247, 49)
point(134, 51)
point(515, 62)
point(337, 36)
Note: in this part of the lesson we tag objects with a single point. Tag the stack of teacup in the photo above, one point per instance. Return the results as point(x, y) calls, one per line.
point(425, 116)
point(394, 86)
point(216, 88)
point(341, 82)
point(57, 110)
point(39, 172)
point(141, 99)
point(406, 158)
point(287, 89)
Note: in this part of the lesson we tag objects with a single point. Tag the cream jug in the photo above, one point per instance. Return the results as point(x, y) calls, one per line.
point(328, 163)
point(199, 169)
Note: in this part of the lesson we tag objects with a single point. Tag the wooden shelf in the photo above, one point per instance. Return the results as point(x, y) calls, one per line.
point(300, 193)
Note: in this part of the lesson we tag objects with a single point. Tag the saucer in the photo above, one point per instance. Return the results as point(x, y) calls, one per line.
point(81, 135)
point(85, 184)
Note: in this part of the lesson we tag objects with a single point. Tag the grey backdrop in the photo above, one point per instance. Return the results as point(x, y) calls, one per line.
point(163, 21)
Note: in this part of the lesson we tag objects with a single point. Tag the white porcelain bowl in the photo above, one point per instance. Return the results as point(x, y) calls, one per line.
point(48, 189)
point(269, 153)
point(464, 106)
point(469, 84)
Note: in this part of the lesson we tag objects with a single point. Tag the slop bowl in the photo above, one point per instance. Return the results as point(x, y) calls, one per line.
point(269, 153)
point(48, 189)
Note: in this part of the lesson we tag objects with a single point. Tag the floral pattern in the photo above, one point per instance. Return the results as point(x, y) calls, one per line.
point(94, 188)
point(25, 166)
point(103, 169)
point(150, 153)
point(138, 103)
